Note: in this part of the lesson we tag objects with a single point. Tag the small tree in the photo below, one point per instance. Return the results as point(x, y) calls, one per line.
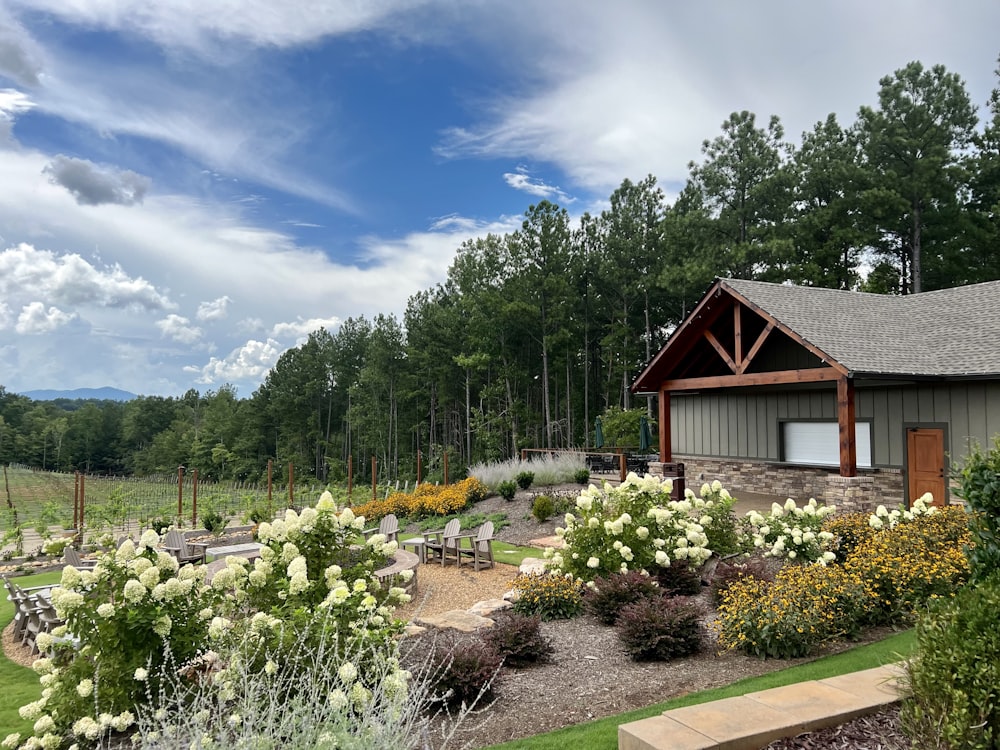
point(979, 487)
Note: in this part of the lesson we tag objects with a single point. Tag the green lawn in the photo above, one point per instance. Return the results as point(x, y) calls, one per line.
point(20, 685)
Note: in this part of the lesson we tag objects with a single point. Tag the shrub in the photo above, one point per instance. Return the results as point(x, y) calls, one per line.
point(678, 579)
point(850, 531)
point(543, 508)
point(786, 618)
point(793, 533)
point(426, 500)
point(524, 479)
point(635, 526)
point(160, 525)
point(953, 676)
point(518, 639)
point(661, 628)
point(582, 476)
point(979, 486)
point(465, 671)
point(507, 490)
point(552, 596)
point(213, 521)
point(907, 563)
point(605, 596)
point(727, 573)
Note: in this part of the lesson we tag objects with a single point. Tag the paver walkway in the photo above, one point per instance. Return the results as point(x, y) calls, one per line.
point(751, 721)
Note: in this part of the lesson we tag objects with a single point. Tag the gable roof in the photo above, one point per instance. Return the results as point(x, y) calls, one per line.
point(945, 333)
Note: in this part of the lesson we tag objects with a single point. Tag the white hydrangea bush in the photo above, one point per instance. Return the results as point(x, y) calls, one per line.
point(636, 526)
point(794, 533)
point(139, 619)
point(120, 619)
point(883, 518)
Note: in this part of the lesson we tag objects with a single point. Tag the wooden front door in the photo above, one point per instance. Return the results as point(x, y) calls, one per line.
point(925, 463)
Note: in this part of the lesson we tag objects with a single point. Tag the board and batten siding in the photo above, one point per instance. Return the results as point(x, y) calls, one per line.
point(745, 424)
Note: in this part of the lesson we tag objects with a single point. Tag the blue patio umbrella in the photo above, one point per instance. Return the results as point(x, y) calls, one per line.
point(598, 434)
point(645, 438)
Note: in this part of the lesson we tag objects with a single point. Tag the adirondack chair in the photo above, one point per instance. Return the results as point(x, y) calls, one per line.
point(443, 544)
point(24, 602)
point(182, 549)
point(72, 557)
point(388, 527)
point(481, 549)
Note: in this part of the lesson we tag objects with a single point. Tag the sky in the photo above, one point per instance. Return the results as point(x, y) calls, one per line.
point(188, 188)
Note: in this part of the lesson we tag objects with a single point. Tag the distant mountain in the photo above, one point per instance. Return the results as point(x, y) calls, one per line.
point(100, 394)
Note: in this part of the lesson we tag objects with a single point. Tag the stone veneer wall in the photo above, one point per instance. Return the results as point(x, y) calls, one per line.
point(864, 492)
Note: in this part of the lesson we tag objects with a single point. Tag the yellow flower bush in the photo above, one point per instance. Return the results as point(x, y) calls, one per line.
point(427, 500)
point(550, 595)
point(913, 561)
point(804, 606)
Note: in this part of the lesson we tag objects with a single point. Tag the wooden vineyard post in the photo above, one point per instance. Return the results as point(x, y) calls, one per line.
point(180, 494)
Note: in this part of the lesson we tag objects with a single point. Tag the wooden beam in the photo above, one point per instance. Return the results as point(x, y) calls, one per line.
point(666, 449)
point(719, 348)
point(738, 336)
point(783, 377)
point(847, 424)
point(756, 347)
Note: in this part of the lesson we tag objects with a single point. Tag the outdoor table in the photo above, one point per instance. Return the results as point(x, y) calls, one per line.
point(418, 547)
point(249, 550)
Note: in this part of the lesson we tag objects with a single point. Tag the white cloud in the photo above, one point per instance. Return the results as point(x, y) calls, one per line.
point(5, 315)
point(217, 309)
point(69, 280)
point(638, 86)
point(35, 319)
point(19, 58)
point(301, 328)
point(250, 362)
point(179, 328)
point(522, 180)
point(198, 25)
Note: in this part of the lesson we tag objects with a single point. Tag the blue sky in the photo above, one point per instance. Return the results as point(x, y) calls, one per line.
point(189, 187)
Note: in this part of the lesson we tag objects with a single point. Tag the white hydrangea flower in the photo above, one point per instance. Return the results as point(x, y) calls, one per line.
point(149, 539)
point(347, 673)
point(85, 688)
point(593, 562)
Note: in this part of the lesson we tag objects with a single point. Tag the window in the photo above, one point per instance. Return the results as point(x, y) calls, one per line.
point(818, 443)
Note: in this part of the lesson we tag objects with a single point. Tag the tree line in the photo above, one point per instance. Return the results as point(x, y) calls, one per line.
point(535, 333)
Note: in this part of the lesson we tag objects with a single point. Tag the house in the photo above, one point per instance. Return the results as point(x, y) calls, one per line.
point(852, 398)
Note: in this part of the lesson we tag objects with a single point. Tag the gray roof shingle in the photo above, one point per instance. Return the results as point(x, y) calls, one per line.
point(951, 332)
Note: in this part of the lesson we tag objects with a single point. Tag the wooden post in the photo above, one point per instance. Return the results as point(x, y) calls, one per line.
point(666, 449)
point(374, 476)
point(270, 486)
point(291, 484)
point(446, 468)
point(847, 425)
point(194, 498)
point(180, 494)
point(621, 466)
point(82, 517)
point(76, 500)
